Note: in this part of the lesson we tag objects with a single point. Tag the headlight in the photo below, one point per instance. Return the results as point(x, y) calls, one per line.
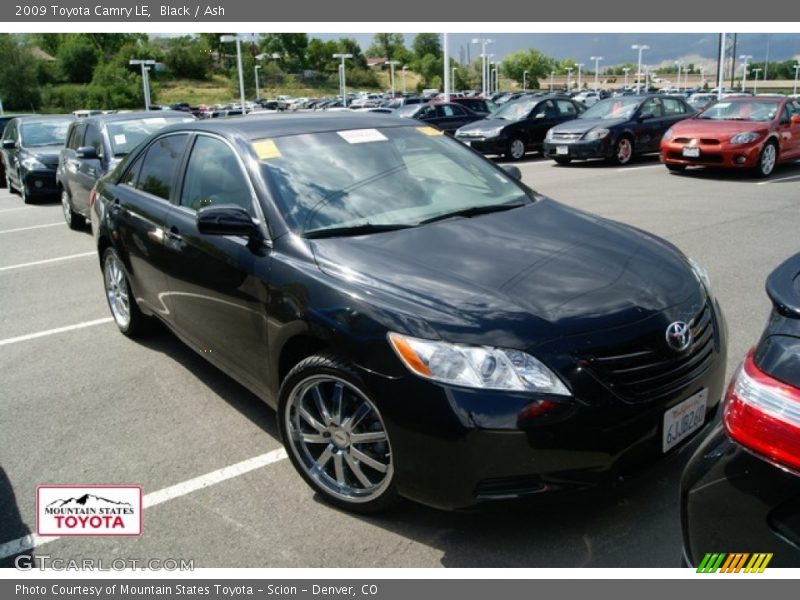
point(549, 134)
point(491, 132)
point(596, 134)
point(31, 163)
point(744, 138)
point(480, 367)
point(701, 274)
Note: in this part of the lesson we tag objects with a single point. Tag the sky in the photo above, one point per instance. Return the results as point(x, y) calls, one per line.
point(615, 48)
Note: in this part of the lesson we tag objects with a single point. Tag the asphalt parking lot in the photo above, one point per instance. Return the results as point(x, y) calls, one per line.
point(82, 404)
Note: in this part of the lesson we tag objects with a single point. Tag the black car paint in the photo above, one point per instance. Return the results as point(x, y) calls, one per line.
point(731, 499)
point(556, 282)
point(644, 131)
point(434, 114)
point(531, 129)
point(16, 173)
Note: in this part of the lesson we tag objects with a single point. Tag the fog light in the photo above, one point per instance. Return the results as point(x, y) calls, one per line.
point(740, 160)
point(38, 183)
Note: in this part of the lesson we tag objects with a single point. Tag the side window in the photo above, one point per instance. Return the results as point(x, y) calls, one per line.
point(11, 131)
point(159, 166)
point(566, 108)
point(793, 107)
point(652, 106)
point(672, 106)
point(94, 138)
point(426, 112)
point(448, 110)
point(130, 175)
point(214, 176)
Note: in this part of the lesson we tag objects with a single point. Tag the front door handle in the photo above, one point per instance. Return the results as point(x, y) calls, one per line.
point(174, 233)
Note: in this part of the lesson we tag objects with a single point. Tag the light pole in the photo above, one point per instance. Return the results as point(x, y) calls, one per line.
point(453, 77)
point(596, 60)
point(524, 81)
point(796, 69)
point(579, 65)
point(255, 71)
point(569, 77)
point(626, 70)
point(238, 39)
point(679, 65)
point(391, 64)
point(552, 75)
point(702, 78)
point(755, 81)
point(641, 48)
point(405, 68)
point(484, 74)
point(492, 77)
point(145, 80)
point(342, 78)
point(745, 58)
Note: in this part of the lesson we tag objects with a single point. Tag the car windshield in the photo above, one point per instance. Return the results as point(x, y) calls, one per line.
point(126, 135)
point(757, 109)
point(612, 108)
point(390, 177)
point(52, 132)
point(515, 110)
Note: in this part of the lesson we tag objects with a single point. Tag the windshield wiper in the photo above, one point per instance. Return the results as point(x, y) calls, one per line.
point(474, 211)
point(360, 229)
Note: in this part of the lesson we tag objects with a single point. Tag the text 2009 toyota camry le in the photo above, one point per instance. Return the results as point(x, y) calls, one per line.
point(425, 325)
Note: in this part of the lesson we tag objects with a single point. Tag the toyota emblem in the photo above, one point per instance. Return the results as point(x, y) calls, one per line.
point(679, 336)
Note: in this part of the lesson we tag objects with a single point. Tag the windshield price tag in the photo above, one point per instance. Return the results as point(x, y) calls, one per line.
point(430, 131)
point(361, 136)
point(266, 149)
point(120, 139)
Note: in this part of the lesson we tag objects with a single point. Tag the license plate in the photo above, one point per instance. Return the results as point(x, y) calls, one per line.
point(684, 419)
point(691, 152)
point(562, 149)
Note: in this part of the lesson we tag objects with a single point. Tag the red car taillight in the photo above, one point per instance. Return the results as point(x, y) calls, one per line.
point(763, 415)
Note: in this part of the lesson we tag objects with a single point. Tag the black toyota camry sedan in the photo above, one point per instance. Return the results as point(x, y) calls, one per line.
point(741, 489)
point(425, 325)
point(616, 129)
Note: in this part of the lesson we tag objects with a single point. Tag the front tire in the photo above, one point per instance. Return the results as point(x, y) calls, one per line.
point(767, 160)
point(335, 436)
point(74, 220)
point(129, 319)
point(623, 151)
point(515, 149)
point(562, 160)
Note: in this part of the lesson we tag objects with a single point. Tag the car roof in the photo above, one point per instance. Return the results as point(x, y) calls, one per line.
point(254, 127)
point(133, 116)
point(44, 117)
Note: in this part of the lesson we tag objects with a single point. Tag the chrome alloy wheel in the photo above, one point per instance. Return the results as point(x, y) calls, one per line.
point(66, 207)
point(624, 151)
point(768, 158)
point(117, 291)
point(517, 149)
point(338, 436)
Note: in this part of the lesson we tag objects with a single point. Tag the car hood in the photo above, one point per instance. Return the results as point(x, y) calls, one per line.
point(518, 278)
point(484, 124)
point(711, 128)
point(45, 154)
point(583, 125)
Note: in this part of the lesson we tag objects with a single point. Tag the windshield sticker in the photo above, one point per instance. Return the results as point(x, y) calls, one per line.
point(429, 131)
point(266, 149)
point(361, 136)
point(120, 139)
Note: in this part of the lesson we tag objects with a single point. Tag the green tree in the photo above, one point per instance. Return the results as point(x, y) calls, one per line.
point(291, 46)
point(425, 44)
point(188, 57)
point(388, 45)
point(19, 89)
point(115, 87)
point(533, 61)
point(77, 57)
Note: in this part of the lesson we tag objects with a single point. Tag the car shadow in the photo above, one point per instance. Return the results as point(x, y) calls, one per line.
point(601, 163)
point(12, 527)
point(743, 175)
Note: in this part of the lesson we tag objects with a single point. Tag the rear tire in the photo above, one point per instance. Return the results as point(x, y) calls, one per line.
point(335, 435)
point(126, 313)
point(767, 160)
point(74, 220)
point(515, 149)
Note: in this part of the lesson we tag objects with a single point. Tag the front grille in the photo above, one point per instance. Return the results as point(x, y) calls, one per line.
point(509, 487)
point(468, 134)
point(652, 370)
point(703, 158)
point(564, 136)
point(702, 141)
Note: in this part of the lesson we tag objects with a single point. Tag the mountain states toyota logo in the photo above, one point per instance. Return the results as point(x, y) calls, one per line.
point(88, 510)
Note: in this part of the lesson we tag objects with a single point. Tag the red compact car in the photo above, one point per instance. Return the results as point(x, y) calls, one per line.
point(755, 132)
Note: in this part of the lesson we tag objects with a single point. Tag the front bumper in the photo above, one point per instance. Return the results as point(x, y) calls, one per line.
point(733, 501)
point(39, 182)
point(484, 145)
point(579, 150)
point(457, 447)
point(739, 156)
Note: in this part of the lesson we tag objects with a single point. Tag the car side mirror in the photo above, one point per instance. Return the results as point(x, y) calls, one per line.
point(795, 119)
point(9, 144)
point(225, 219)
point(513, 171)
point(87, 152)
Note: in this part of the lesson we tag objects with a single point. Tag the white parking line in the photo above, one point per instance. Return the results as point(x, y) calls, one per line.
point(57, 330)
point(33, 540)
point(642, 167)
point(779, 179)
point(18, 208)
point(47, 260)
point(31, 227)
